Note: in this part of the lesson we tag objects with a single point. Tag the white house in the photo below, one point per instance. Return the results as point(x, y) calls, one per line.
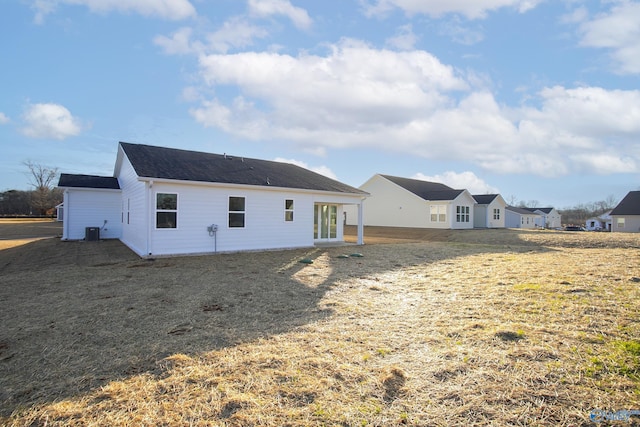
point(549, 217)
point(599, 223)
point(521, 218)
point(165, 201)
point(625, 217)
point(489, 211)
point(403, 202)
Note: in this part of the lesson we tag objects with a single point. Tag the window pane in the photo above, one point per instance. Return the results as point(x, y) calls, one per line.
point(288, 204)
point(167, 201)
point(236, 220)
point(236, 204)
point(166, 220)
point(288, 216)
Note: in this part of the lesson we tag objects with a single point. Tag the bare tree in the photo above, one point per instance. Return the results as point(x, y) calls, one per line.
point(42, 179)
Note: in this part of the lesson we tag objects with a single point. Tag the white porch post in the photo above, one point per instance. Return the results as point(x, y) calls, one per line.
point(360, 224)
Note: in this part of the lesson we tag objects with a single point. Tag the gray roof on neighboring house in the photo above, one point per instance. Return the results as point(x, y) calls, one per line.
point(485, 199)
point(425, 189)
point(184, 165)
point(545, 210)
point(521, 211)
point(629, 205)
point(88, 181)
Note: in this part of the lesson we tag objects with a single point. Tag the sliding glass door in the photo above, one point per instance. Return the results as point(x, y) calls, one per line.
point(325, 224)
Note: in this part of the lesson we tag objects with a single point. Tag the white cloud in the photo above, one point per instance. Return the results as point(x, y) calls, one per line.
point(460, 33)
point(179, 43)
point(359, 97)
point(267, 8)
point(322, 170)
point(460, 181)
point(472, 9)
point(619, 32)
point(235, 33)
point(4, 119)
point(52, 121)
point(166, 9)
point(405, 39)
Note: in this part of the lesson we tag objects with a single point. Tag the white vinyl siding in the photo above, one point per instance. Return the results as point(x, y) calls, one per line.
point(85, 207)
point(264, 228)
point(134, 197)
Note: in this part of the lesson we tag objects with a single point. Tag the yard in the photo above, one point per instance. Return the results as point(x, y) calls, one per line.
point(475, 327)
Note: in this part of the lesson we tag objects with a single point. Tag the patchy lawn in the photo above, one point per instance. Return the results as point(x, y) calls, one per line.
point(478, 327)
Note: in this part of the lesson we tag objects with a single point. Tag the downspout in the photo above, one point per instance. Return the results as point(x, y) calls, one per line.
point(148, 189)
point(361, 222)
point(65, 215)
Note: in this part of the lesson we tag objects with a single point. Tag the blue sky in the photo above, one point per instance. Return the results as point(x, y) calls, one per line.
point(537, 100)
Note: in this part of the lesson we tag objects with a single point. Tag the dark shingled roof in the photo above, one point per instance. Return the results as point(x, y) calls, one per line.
point(630, 205)
point(521, 211)
point(545, 210)
point(484, 199)
point(183, 165)
point(425, 189)
point(88, 181)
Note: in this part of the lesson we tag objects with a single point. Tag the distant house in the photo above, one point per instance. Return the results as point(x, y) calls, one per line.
point(549, 217)
point(166, 201)
point(599, 223)
point(625, 217)
point(489, 212)
point(402, 202)
point(521, 218)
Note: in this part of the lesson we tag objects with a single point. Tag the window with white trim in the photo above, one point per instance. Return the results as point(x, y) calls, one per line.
point(288, 210)
point(620, 222)
point(438, 213)
point(236, 212)
point(496, 213)
point(462, 213)
point(166, 210)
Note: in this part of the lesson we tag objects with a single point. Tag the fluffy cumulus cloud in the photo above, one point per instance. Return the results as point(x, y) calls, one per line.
point(471, 9)
point(357, 96)
point(3, 119)
point(619, 32)
point(165, 9)
point(50, 121)
point(266, 8)
point(464, 180)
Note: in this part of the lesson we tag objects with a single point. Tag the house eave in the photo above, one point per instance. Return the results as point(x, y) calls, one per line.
point(150, 180)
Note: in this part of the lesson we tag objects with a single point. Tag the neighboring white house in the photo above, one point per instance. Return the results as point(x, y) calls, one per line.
point(489, 212)
point(521, 218)
point(599, 223)
point(165, 201)
point(625, 218)
point(549, 217)
point(403, 202)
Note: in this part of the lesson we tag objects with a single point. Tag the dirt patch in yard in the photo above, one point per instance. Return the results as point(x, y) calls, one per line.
point(476, 327)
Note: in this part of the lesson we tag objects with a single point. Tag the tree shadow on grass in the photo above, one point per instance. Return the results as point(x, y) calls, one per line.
point(77, 315)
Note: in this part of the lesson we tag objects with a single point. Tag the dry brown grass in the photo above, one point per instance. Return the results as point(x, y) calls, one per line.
point(479, 327)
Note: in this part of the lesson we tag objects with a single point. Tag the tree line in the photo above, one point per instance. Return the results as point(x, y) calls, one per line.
point(41, 200)
point(577, 214)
